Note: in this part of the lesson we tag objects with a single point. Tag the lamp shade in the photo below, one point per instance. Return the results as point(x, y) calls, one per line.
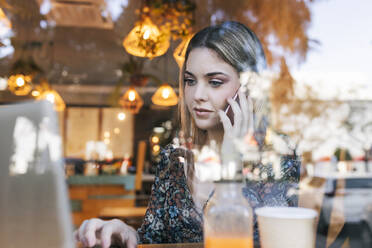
point(131, 101)
point(43, 91)
point(53, 97)
point(21, 74)
point(146, 40)
point(180, 51)
point(165, 96)
point(19, 84)
point(39, 89)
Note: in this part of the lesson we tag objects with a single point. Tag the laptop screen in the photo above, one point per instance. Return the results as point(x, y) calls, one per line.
point(34, 207)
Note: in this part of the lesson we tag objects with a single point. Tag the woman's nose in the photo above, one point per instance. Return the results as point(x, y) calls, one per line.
point(200, 93)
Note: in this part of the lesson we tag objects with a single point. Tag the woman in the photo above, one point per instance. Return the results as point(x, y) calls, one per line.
point(209, 80)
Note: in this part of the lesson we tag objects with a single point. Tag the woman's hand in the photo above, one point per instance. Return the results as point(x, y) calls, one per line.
point(243, 125)
point(112, 232)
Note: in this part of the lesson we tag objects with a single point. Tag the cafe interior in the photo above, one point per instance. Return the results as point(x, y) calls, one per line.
point(110, 69)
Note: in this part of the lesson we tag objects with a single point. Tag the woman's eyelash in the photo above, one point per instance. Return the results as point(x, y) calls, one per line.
point(215, 82)
point(189, 81)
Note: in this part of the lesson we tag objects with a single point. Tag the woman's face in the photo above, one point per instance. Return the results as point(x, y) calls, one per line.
point(209, 81)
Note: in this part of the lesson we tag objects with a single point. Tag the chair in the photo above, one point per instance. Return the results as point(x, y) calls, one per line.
point(141, 155)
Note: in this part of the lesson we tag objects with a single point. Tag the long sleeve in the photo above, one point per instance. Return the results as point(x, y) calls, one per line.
point(171, 216)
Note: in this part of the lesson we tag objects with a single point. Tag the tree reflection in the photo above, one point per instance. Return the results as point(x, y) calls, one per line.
point(281, 25)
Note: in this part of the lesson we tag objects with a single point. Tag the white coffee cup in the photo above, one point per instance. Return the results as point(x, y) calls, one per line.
point(286, 227)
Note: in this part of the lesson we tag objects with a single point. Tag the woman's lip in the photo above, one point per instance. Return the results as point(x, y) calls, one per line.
point(202, 112)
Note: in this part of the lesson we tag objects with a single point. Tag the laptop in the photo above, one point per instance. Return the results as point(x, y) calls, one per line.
point(34, 206)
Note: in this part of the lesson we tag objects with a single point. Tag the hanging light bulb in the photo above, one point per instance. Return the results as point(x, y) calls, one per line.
point(146, 40)
point(45, 92)
point(53, 97)
point(35, 93)
point(131, 101)
point(39, 89)
point(19, 84)
point(165, 96)
point(180, 51)
point(121, 116)
point(21, 76)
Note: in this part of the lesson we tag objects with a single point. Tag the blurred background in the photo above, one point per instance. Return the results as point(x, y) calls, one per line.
point(111, 69)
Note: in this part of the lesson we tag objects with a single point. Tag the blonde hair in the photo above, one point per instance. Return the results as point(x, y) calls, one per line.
point(238, 46)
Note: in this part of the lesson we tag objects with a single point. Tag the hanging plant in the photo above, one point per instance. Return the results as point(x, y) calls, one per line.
point(174, 15)
point(132, 73)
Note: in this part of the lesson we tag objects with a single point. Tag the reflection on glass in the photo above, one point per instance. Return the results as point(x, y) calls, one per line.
point(5, 33)
point(3, 83)
point(95, 150)
point(24, 140)
point(116, 130)
point(33, 144)
point(115, 8)
point(315, 108)
point(48, 140)
point(121, 116)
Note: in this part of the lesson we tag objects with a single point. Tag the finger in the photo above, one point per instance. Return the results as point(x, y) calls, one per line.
point(91, 228)
point(226, 123)
point(132, 240)
point(76, 235)
point(77, 239)
point(245, 112)
point(106, 235)
point(81, 233)
point(237, 115)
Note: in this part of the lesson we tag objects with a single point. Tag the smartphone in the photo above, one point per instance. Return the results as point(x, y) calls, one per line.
point(228, 111)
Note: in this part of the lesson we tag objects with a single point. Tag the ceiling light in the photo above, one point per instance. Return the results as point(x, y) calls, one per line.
point(180, 51)
point(165, 96)
point(131, 101)
point(146, 40)
point(121, 116)
point(53, 97)
point(19, 84)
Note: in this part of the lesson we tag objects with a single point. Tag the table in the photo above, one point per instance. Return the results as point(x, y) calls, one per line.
point(127, 181)
point(183, 245)
point(133, 216)
point(122, 212)
point(90, 194)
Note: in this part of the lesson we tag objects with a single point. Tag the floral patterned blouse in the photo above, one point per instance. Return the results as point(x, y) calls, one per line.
point(172, 216)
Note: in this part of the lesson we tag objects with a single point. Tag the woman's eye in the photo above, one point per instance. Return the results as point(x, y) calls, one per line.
point(189, 81)
point(215, 83)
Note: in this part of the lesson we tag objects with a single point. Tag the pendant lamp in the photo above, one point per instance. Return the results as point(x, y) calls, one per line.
point(165, 96)
point(55, 98)
point(45, 92)
point(21, 75)
point(131, 101)
point(20, 84)
point(146, 40)
point(180, 51)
